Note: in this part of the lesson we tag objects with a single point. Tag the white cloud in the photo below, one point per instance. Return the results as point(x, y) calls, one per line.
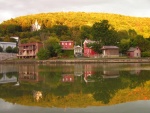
point(13, 8)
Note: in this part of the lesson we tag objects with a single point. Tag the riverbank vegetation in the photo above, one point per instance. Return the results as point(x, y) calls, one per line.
point(108, 29)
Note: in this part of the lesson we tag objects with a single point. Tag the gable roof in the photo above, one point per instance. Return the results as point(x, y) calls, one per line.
point(110, 47)
point(88, 41)
point(132, 49)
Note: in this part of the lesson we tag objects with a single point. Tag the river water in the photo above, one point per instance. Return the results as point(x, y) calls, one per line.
point(75, 88)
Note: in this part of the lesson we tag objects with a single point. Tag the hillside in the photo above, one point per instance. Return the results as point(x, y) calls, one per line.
point(71, 19)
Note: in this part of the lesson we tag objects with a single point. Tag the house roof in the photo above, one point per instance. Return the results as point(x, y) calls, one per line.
point(110, 47)
point(67, 41)
point(88, 41)
point(12, 43)
point(132, 49)
point(77, 46)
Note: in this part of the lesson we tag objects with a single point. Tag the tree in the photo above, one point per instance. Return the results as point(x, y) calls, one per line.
point(96, 47)
point(132, 33)
point(104, 33)
point(60, 30)
point(13, 28)
point(43, 54)
point(85, 32)
point(33, 39)
point(124, 45)
point(52, 45)
point(25, 40)
point(9, 49)
point(15, 50)
point(1, 49)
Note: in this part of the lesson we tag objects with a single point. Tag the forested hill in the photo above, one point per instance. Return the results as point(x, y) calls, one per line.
point(71, 19)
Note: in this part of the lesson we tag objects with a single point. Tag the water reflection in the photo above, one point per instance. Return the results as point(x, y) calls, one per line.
point(37, 95)
point(75, 85)
point(29, 73)
point(8, 74)
point(110, 71)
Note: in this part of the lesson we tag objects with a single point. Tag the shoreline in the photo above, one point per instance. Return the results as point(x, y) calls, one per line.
point(78, 60)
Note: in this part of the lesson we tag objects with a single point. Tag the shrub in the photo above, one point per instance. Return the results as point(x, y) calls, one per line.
point(146, 54)
point(9, 49)
point(15, 50)
point(1, 49)
point(43, 54)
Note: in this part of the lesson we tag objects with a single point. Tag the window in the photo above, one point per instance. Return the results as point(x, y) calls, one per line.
point(62, 43)
point(70, 43)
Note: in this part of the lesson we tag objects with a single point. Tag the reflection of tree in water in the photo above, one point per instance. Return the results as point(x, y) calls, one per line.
point(132, 81)
point(61, 90)
point(11, 74)
point(1, 75)
point(103, 96)
point(101, 89)
point(104, 89)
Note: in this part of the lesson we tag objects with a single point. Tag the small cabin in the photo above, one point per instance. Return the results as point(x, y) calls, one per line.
point(78, 51)
point(110, 51)
point(134, 52)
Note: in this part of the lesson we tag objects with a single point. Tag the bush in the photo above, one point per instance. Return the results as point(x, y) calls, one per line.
point(43, 54)
point(9, 49)
point(1, 49)
point(15, 50)
point(146, 54)
point(68, 53)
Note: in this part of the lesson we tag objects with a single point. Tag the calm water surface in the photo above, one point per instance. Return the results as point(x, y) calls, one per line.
point(75, 88)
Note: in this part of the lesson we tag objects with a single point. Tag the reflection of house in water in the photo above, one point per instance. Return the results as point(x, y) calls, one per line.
point(136, 72)
point(78, 69)
point(110, 74)
point(109, 71)
point(7, 74)
point(68, 78)
point(8, 68)
point(5, 79)
point(29, 73)
point(136, 68)
point(88, 72)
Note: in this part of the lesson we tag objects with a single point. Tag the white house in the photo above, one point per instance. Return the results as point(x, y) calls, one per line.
point(78, 51)
point(4, 45)
point(36, 26)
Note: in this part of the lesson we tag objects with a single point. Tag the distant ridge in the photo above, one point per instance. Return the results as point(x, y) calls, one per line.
point(71, 19)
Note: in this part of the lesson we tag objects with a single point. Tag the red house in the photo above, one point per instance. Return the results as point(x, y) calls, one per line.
point(67, 45)
point(134, 52)
point(29, 50)
point(88, 51)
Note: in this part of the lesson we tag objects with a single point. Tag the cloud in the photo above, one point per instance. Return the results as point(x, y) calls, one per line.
point(13, 8)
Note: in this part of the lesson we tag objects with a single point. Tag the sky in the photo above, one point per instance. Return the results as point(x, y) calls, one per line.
point(15, 8)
